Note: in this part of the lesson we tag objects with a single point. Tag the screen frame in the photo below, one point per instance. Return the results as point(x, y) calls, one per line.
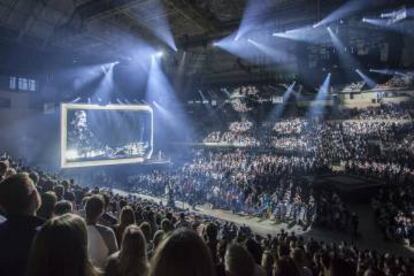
point(65, 107)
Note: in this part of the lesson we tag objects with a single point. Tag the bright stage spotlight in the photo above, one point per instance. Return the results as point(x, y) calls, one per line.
point(388, 72)
point(346, 10)
point(306, 34)
point(159, 54)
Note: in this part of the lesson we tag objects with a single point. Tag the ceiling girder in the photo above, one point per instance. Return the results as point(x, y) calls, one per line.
point(204, 19)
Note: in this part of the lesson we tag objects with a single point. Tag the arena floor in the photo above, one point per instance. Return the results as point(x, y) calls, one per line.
point(371, 236)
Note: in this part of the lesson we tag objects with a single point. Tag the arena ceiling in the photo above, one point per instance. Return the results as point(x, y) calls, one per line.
point(98, 27)
point(91, 26)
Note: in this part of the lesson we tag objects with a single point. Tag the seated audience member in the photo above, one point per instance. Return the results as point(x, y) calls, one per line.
point(238, 261)
point(101, 239)
point(60, 248)
point(20, 201)
point(182, 253)
point(131, 260)
point(63, 207)
point(49, 200)
point(126, 218)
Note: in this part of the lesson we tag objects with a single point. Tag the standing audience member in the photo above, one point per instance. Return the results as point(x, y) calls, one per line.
point(60, 248)
point(49, 200)
point(238, 261)
point(132, 259)
point(63, 207)
point(101, 239)
point(107, 218)
point(211, 240)
point(182, 253)
point(126, 218)
point(286, 267)
point(20, 201)
point(182, 222)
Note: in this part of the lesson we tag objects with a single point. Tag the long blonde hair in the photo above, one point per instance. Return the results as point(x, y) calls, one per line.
point(132, 256)
point(60, 248)
point(126, 218)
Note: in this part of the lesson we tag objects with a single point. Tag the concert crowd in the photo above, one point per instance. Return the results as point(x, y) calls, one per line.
point(103, 233)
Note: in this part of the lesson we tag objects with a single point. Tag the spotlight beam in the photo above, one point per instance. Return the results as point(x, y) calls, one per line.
point(371, 83)
point(318, 106)
point(344, 11)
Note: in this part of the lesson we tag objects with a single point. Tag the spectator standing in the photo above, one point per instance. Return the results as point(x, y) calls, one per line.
point(101, 239)
point(20, 201)
point(132, 259)
point(60, 248)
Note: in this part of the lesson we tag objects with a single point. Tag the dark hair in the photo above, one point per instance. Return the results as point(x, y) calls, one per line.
point(18, 195)
point(60, 248)
point(3, 168)
point(63, 207)
point(147, 230)
point(48, 204)
point(238, 261)
point(211, 231)
point(183, 253)
point(255, 250)
point(94, 208)
point(286, 267)
point(34, 176)
point(126, 218)
point(166, 225)
point(59, 191)
point(339, 267)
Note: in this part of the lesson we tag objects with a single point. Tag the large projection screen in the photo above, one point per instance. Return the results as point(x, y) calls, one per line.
point(94, 135)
